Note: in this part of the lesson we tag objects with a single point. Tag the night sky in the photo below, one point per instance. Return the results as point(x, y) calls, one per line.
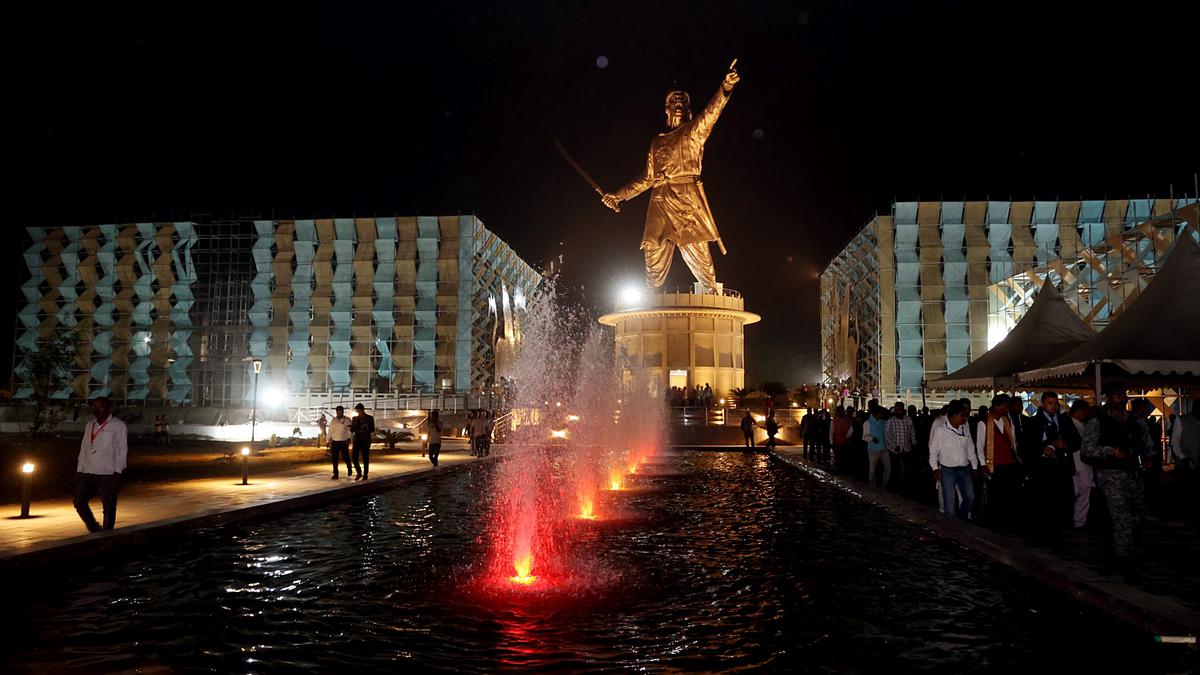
point(117, 112)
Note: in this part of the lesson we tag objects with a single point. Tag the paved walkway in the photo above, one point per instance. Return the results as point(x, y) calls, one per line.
point(1075, 564)
point(143, 507)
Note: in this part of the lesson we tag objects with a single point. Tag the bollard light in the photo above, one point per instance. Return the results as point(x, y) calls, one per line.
point(26, 487)
point(245, 466)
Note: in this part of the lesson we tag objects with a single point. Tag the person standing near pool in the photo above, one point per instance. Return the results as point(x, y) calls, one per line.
point(339, 440)
point(953, 459)
point(433, 429)
point(322, 425)
point(748, 429)
point(102, 459)
point(362, 427)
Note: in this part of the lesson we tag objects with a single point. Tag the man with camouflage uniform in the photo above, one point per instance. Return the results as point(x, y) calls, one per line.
point(1116, 445)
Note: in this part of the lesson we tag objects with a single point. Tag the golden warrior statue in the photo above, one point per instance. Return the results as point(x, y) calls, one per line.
point(678, 215)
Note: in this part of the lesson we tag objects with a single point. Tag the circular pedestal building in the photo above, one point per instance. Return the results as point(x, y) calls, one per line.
point(683, 338)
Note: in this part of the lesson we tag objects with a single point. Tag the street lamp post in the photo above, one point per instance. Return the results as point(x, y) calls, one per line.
point(245, 466)
point(26, 487)
point(254, 410)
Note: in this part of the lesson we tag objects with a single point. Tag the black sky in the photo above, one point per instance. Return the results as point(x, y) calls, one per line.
point(124, 111)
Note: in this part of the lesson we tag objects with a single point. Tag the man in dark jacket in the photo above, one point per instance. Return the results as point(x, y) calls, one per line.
point(748, 429)
point(362, 430)
point(1051, 441)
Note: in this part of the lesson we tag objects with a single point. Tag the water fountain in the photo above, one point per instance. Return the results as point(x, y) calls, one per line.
point(571, 438)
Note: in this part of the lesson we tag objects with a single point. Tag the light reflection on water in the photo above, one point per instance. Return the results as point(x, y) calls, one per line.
point(717, 561)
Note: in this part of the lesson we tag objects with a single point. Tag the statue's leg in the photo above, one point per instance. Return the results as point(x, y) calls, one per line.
point(699, 261)
point(658, 261)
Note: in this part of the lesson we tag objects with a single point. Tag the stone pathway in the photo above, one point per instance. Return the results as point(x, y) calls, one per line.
point(140, 507)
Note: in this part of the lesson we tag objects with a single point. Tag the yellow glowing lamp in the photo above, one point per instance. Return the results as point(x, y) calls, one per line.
point(424, 437)
point(27, 467)
point(558, 433)
point(245, 452)
point(572, 418)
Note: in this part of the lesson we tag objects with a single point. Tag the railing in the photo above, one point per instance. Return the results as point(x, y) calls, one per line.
point(662, 290)
point(308, 407)
point(700, 416)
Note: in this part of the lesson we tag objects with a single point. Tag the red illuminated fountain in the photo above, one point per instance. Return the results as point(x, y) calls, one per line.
point(564, 447)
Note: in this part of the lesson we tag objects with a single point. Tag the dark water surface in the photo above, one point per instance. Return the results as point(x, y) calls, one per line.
point(724, 561)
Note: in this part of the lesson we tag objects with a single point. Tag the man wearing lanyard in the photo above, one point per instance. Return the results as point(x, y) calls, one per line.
point(102, 456)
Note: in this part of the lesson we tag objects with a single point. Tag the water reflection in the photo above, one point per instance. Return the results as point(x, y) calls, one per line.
point(726, 561)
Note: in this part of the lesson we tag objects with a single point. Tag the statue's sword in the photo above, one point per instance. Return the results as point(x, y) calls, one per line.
point(579, 170)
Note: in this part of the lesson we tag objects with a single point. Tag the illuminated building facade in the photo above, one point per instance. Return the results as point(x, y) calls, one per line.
point(924, 290)
point(177, 312)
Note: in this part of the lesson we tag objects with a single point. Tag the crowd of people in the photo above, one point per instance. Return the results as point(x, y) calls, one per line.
point(1005, 467)
point(679, 397)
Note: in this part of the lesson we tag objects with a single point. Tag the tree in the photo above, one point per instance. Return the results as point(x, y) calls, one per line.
point(738, 395)
point(46, 369)
point(391, 437)
point(773, 389)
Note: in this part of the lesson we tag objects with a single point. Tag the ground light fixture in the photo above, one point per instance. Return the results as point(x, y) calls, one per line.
point(245, 466)
point(558, 433)
point(26, 487)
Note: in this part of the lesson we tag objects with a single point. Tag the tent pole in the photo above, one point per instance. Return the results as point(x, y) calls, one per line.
point(1096, 365)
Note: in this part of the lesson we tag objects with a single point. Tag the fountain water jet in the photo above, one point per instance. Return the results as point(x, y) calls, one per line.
point(566, 395)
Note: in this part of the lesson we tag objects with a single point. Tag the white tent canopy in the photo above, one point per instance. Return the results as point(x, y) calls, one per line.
point(1156, 339)
point(1049, 329)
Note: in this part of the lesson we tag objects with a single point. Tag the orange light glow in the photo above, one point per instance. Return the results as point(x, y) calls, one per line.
point(586, 507)
point(633, 466)
point(614, 480)
point(523, 565)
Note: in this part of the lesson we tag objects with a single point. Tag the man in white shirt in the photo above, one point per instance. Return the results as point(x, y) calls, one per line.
point(339, 440)
point(953, 458)
point(102, 458)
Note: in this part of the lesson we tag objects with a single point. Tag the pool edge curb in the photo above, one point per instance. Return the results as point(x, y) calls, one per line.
point(124, 539)
point(1155, 614)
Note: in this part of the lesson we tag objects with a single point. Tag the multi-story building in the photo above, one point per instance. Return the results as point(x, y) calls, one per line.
point(924, 290)
point(177, 313)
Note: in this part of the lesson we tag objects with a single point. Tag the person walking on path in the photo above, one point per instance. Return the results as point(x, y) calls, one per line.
point(433, 427)
point(772, 429)
point(748, 429)
point(103, 454)
point(1115, 444)
point(322, 425)
point(953, 458)
point(1052, 441)
point(875, 431)
point(839, 438)
point(999, 461)
point(478, 425)
point(362, 427)
point(1185, 445)
point(1084, 477)
point(900, 440)
point(339, 440)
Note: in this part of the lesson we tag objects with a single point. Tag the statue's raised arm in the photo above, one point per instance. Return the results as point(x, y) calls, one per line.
point(707, 119)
